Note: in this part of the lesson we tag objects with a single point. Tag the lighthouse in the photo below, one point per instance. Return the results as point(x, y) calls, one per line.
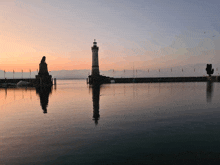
point(95, 78)
point(95, 59)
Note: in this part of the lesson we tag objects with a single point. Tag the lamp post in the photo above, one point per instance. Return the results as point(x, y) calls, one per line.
point(171, 72)
point(133, 69)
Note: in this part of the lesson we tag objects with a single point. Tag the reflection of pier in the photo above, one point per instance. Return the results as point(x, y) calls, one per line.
point(42, 92)
point(148, 89)
point(95, 99)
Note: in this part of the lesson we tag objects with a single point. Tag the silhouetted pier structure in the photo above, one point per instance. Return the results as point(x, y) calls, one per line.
point(42, 79)
point(107, 80)
point(16, 80)
point(96, 79)
point(164, 79)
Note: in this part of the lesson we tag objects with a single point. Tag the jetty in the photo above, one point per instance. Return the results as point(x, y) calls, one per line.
point(43, 79)
point(107, 80)
point(96, 79)
point(164, 79)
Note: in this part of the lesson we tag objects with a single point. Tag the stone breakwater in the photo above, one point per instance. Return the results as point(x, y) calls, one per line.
point(106, 80)
point(31, 80)
point(165, 79)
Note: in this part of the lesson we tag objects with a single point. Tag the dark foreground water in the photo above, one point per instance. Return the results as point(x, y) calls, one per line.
point(158, 123)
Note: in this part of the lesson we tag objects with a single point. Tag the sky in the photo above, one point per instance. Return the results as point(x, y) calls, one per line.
point(142, 34)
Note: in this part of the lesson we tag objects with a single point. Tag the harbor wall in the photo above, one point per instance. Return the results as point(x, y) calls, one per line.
point(31, 80)
point(165, 79)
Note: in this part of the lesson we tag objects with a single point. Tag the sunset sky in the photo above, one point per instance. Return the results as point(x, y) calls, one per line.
point(146, 34)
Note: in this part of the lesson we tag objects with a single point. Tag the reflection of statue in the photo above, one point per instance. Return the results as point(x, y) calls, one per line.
point(95, 99)
point(44, 96)
point(209, 91)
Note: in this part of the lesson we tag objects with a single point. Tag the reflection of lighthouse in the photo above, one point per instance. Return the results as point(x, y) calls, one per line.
point(95, 99)
point(95, 59)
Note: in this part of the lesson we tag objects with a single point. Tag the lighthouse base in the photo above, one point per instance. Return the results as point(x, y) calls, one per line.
point(97, 80)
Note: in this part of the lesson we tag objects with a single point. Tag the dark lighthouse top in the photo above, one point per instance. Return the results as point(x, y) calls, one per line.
point(95, 45)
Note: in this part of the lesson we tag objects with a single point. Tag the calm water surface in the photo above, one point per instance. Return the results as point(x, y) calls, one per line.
point(72, 123)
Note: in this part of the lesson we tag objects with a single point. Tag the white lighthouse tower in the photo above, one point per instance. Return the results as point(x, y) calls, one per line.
point(95, 59)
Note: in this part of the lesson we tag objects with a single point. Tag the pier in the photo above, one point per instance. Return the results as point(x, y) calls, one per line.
point(107, 80)
point(164, 79)
point(42, 79)
point(31, 80)
point(96, 79)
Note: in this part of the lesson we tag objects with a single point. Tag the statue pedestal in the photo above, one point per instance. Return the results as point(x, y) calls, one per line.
point(44, 80)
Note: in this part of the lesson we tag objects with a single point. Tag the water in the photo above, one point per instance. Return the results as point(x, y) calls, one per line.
point(155, 123)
